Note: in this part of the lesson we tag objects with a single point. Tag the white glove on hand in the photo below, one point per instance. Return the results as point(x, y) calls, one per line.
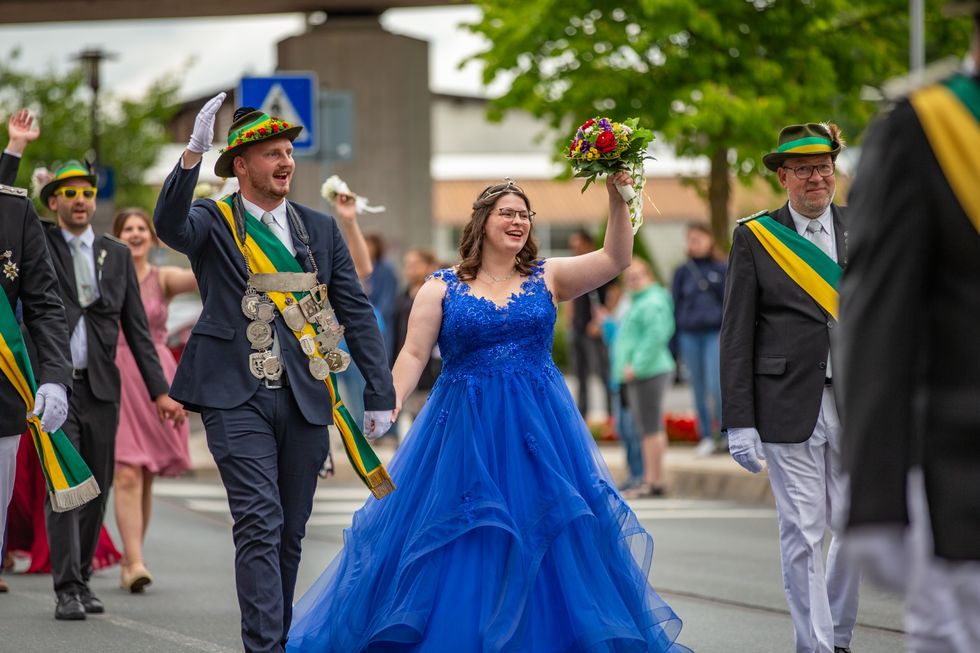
point(882, 553)
point(376, 423)
point(745, 445)
point(203, 134)
point(51, 405)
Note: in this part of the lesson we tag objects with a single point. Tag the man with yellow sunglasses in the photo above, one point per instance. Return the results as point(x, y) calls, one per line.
point(71, 192)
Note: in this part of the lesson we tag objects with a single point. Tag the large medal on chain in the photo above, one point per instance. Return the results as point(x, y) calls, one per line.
point(259, 334)
point(337, 360)
point(319, 368)
point(249, 302)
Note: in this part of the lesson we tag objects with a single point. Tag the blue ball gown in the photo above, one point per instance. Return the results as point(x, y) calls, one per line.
point(506, 533)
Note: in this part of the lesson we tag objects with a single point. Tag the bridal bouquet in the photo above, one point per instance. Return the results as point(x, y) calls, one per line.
point(604, 147)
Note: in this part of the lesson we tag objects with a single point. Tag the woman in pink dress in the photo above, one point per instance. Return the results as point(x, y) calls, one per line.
point(145, 446)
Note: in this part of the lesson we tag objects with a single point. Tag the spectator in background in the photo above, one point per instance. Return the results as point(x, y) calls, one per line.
point(382, 290)
point(589, 354)
point(644, 366)
point(417, 265)
point(698, 290)
point(611, 316)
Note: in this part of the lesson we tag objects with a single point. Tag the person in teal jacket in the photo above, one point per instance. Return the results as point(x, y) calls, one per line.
point(643, 364)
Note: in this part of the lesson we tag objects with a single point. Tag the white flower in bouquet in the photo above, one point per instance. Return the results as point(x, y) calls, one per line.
point(335, 186)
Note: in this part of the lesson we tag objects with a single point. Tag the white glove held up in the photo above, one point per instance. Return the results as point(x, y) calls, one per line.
point(51, 405)
point(745, 445)
point(376, 423)
point(203, 134)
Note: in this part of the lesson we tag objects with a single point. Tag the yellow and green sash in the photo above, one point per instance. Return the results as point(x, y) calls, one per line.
point(950, 116)
point(805, 263)
point(267, 254)
point(69, 481)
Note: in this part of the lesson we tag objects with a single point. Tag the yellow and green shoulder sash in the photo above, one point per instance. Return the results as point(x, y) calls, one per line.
point(266, 254)
point(805, 263)
point(950, 116)
point(69, 481)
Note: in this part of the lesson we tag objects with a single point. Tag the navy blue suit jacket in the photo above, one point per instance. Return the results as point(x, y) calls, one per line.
point(213, 370)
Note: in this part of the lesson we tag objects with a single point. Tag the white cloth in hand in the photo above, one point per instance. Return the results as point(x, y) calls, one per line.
point(203, 134)
point(376, 423)
point(882, 552)
point(51, 405)
point(745, 445)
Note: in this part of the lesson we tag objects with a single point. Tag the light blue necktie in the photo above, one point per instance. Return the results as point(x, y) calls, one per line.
point(84, 284)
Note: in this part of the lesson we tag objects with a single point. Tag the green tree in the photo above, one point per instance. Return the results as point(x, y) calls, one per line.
point(714, 79)
point(132, 131)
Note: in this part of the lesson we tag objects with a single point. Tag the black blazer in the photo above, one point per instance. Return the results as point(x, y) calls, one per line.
point(910, 340)
point(35, 285)
point(218, 344)
point(119, 304)
point(774, 341)
point(8, 168)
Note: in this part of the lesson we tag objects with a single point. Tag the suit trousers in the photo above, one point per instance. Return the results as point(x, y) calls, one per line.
point(8, 468)
point(73, 535)
point(268, 457)
point(810, 488)
point(942, 602)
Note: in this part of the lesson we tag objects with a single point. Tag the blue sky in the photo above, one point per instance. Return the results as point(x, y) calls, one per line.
point(148, 49)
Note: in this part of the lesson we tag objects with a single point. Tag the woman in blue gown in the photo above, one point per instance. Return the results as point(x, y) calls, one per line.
point(506, 533)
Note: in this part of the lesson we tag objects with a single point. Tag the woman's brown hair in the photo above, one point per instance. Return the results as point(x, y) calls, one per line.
point(471, 243)
point(125, 214)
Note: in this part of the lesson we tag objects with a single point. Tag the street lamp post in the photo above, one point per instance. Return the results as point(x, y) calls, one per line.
point(91, 59)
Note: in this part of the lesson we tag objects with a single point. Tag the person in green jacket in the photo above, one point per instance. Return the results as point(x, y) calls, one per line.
point(643, 364)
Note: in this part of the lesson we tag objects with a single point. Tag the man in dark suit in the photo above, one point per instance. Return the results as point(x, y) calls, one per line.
point(777, 393)
point(27, 277)
point(910, 357)
point(266, 425)
point(95, 311)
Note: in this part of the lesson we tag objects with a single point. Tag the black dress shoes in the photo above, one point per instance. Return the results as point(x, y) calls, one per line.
point(91, 603)
point(69, 607)
point(841, 649)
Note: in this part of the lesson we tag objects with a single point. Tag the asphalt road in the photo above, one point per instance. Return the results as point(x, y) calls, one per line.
point(716, 562)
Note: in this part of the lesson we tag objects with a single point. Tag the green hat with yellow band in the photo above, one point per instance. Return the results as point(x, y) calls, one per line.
point(802, 140)
point(251, 126)
point(68, 172)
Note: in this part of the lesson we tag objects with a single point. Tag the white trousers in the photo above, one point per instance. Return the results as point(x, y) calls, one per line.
point(942, 606)
point(810, 488)
point(8, 466)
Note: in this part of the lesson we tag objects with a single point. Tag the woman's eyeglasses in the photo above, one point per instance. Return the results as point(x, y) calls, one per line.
point(71, 192)
point(510, 214)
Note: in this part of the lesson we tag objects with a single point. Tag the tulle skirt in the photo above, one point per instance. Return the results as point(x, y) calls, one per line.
point(505, 534)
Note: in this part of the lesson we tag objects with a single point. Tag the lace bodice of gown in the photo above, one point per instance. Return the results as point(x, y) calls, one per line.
point(479, 338)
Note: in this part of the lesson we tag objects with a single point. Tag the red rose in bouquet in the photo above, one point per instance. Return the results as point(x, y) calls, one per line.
point(606, 142)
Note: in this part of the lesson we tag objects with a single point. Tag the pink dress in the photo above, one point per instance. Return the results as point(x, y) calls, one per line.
point(142, 440)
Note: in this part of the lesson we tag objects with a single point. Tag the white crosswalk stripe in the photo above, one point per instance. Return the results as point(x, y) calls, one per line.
point(335, 506)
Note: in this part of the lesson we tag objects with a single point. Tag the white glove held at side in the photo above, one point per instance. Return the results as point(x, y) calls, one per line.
point(745, 445)
point(51, 405)
point(376, 423)
point(203, 134)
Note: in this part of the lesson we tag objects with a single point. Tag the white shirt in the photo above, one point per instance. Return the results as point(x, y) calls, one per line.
point(79, 341)
point(826, 221)
point(279, 215)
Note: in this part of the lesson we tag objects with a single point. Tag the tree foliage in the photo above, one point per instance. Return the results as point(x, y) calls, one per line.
point(715, 79)
point(132, 131)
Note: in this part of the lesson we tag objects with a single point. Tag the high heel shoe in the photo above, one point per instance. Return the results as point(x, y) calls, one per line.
point(135, 578)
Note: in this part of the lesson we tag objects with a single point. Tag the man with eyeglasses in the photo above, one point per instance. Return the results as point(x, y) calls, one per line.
point(910, 357)
point(100, 292)
point(777, 381)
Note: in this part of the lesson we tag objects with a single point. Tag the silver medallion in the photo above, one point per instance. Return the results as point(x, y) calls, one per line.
point(338, 360)
point(319, 368)
point(255, 364)
point(294, 317)
point(328, 339)
point(248, 304)
point(319, 294)
point(259, 334)
point(265, 310)
point(307, 344)
point(272, 368)
point(310, 306)
point(323, 319)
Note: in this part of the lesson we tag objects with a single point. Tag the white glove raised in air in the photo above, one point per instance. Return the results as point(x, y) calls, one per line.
point(745, 445)
point(203, 134)
point(376, 423)
point(51, 405)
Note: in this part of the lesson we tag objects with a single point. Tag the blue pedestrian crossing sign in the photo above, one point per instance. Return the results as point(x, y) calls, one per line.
point(290, 96)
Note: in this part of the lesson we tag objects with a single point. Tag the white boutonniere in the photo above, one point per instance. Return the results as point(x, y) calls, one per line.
point(9, 268)
point(335, 186)
point(99, 262)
